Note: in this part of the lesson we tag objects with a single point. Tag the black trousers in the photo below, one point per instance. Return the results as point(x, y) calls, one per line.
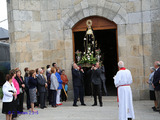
point(97, 91)
point(20, 102)
point(15, 109)
point(50, 94)
point(63, 96)
point(28, 99)
point(42, 99)
point(54, 95)
point(78, 92)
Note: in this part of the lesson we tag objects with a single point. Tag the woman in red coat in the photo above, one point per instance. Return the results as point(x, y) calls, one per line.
point(65, 83)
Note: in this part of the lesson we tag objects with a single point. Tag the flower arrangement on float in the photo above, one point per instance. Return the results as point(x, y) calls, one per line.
point(87, 58)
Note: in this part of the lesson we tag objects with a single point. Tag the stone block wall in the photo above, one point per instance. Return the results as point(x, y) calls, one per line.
point(155, 31)
point(41, 33)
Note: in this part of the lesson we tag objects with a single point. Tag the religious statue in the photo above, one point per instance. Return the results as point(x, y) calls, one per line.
point(90, 55)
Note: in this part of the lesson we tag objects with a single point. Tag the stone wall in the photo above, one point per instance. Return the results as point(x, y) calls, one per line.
point(41, 33)
point(155, 31)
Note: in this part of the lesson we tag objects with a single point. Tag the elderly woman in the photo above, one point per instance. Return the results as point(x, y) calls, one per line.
point(9, 95)
point(151, 89)
point(65, 83)
point(21, 83)
point(54, 86)
point(32, 88)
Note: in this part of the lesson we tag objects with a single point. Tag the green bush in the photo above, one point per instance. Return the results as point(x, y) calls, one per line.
point(1, 93)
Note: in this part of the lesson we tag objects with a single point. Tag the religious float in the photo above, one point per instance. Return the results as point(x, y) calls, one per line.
point(91, 54)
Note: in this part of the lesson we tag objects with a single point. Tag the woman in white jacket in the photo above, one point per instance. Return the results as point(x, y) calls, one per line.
point(9, 95)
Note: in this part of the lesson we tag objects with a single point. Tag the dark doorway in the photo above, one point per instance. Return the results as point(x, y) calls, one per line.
point(106, 41)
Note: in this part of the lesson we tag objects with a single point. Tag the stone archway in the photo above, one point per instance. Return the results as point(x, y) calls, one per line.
point(111, 11)
point(98, 23)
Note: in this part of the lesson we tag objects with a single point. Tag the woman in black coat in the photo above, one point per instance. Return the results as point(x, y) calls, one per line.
point(21, 83)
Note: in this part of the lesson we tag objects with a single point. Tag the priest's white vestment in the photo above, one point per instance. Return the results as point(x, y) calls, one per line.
point(122, 81)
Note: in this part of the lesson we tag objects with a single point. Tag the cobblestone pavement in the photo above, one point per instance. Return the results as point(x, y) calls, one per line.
point(109, 111)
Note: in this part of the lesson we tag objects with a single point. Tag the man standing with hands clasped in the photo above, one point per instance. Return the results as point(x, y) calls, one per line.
point(42, 85)
point(77, 77)
point(96, 81)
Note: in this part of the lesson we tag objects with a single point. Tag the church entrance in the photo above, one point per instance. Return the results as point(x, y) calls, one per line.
point(105, 33)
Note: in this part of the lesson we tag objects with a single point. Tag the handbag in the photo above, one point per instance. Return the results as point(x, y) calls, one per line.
point(66, 87)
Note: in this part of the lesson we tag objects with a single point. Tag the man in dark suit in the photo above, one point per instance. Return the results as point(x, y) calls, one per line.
point(77, 77)
point(156, 84)
point(96, 81)
point(42, 85)
point(103, 79)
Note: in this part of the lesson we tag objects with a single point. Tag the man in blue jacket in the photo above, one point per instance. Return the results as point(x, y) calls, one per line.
point(77, 77)
point(156, 84)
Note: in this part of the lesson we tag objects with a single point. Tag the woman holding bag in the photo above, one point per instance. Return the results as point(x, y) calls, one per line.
point(9, 95)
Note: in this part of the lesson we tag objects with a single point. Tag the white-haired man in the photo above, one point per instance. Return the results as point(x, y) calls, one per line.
point(42, 84)
point(156, 84)
point(77, 77)
point(122, 81)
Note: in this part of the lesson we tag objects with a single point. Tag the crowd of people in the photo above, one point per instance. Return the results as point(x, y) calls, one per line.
point(39, 88)
point(54, 86)
point(154, 85)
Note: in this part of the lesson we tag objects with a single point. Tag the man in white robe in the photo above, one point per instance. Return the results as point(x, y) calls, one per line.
point(122, 81)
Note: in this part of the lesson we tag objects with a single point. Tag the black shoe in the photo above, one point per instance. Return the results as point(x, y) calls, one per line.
point(45, 106)
point(153, 107)
point(75, 105)
point(94, 105)
point(101, 105)
point(156, 110)
point(83, 104)
point(42, 107)
point(54, 106)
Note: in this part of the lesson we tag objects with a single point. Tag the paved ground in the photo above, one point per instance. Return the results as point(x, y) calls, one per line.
point(109, 111)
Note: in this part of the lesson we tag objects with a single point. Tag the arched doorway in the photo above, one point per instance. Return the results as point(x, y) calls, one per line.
point(105, 32)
